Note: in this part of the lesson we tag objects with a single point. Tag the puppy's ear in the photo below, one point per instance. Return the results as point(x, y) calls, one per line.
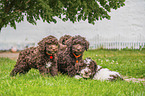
point(93, 66)
point(42, 44)
point(61, 40)
point(87, 45)
point(69, 43)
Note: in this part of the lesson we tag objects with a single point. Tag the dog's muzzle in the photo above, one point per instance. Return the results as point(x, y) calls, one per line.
point(85, 73)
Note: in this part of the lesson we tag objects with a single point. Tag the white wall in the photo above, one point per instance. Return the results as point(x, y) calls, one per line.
point(126, 24)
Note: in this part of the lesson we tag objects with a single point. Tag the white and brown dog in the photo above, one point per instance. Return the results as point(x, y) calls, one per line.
point(87, 69)
point(90, 66)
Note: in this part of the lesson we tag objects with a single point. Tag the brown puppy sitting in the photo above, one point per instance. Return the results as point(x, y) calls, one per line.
point(72, 55)
point(43, 57)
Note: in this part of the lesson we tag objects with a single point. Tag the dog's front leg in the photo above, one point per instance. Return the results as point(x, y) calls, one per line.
point(77, 76)
point(71, 70)
point(43, 70)
point(54, 70)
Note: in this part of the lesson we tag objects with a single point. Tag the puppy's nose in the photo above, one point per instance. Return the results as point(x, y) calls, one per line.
point(79, 49)
point(55, 49)
point(87, 71)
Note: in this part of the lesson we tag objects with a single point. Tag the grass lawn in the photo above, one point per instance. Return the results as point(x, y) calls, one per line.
point(127, 63)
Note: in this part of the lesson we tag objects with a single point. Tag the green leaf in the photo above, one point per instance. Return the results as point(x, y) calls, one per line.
point(74, 10)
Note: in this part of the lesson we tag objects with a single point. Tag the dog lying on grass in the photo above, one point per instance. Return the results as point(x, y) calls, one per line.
point(43, 57)
point(89, 70)
point(86, 69)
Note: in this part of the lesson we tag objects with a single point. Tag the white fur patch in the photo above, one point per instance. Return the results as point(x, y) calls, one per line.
point(48, 64)
point(99, 67)
point(78, 77)
point(87, 61)
point(105, 74)
point(85, 73)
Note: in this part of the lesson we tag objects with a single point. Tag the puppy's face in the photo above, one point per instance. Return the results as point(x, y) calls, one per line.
point(51, 48)
point(87, 68)
point(78, 49)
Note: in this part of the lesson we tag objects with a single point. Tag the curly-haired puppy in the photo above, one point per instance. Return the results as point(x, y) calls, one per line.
point(72, 55)
point(63, 41)
point(87, 71)
point(43, 57)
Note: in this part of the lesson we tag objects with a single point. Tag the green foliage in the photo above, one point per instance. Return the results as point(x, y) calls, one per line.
point(33, 84)
point(12, 11)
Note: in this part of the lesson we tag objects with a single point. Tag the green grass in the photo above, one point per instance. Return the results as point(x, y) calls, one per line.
point(128, 63)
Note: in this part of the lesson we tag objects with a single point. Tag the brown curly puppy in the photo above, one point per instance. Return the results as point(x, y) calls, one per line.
point(43, 57)
point(72, 55)
point(63, 41)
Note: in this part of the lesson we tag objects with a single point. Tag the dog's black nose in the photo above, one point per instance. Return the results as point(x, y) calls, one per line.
point(78, 49)
point(54, 49)
point(87, 71)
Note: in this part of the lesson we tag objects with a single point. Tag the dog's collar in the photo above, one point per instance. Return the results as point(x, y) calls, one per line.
point(50, 55)
point(77, 57)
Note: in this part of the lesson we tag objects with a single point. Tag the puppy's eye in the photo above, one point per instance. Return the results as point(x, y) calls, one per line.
point(91, 66)
point(81, 67)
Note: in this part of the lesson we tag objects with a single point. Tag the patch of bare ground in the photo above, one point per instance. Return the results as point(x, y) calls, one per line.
point(138, 80)
point(10, 55)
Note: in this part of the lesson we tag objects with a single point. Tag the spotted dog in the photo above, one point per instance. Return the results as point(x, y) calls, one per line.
point(87, 69)
point(100, 74)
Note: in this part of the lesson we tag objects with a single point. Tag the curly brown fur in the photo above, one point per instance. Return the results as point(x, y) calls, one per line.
point(38, 58)
point(72, 55)
point(63, 41)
